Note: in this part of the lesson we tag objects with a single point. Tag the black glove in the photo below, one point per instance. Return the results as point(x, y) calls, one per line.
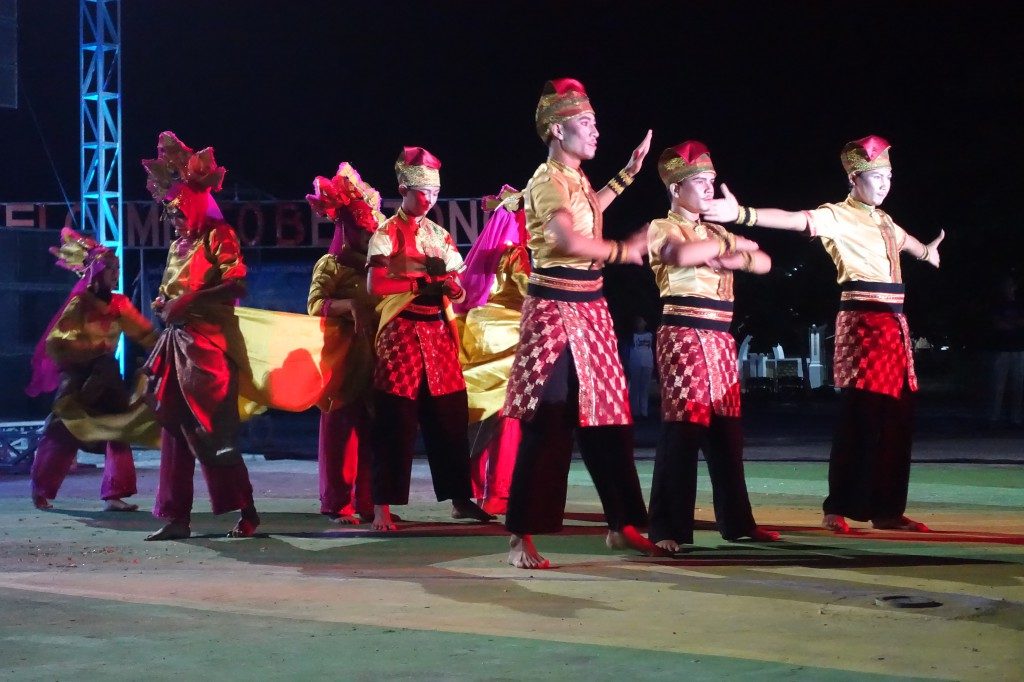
point(425, 287)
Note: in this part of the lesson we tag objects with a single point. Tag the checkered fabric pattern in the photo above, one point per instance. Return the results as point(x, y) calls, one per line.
point(408, 348)
point(873, 352)
point(587, 328)
point(699, 374)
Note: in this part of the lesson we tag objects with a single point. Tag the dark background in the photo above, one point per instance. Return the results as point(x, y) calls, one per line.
point(286, 89)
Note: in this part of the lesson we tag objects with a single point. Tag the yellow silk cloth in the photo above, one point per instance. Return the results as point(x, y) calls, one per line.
point(290, 361)
point(136, 425)
point(489, 336)
point(555, 187)
point(862, 240)
point(675, 280)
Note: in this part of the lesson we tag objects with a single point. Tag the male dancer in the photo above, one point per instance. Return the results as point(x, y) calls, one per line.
point(194, 383)
point(414, 268)
point(567, 371)
point(338, 293)
point(92, 406)
point(869, 468)
point(693, 264)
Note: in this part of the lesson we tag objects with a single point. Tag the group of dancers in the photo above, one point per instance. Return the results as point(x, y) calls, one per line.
point(517, 340)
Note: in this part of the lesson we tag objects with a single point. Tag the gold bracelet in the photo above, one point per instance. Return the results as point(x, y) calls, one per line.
point(741, 215)
point(747, 216)
point(613, 250)
point(624, 178)
point(748, 259)
point(722, 247)
point(615, 186)
point(924, 256)
point(730, 242)
point(751, 217)
point(623, 251)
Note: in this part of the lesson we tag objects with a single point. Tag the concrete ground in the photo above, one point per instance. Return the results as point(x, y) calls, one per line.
point(83, 597)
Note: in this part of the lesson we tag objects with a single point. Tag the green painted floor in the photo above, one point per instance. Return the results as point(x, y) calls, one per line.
point(82, 596)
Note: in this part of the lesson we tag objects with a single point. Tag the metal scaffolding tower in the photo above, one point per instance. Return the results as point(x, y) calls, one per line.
point(100, 78)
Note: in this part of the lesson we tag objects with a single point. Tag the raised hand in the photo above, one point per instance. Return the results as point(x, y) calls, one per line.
point(723, 210)
point(636, 159)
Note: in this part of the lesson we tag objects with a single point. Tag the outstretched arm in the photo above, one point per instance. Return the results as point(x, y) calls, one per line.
point(926, 252)
point(623, 178)
point(727, 210)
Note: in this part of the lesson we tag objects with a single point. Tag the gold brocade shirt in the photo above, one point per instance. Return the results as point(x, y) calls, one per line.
point(556, 187)
point(89, 327)
point(862, 240)
point(674, 280)
point(202, 263)
point(333, 279)
point(402, 244)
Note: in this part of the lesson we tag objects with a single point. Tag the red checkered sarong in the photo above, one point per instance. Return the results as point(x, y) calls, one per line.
point(699, 374)
point(587, 328)
point(873, 352)
point(406, 349)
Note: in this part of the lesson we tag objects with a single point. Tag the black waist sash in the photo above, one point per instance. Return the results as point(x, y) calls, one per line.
point(872, 296)
point(696, 312)
point(566, 284)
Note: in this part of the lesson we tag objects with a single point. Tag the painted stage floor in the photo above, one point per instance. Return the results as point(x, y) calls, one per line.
point(83, 597)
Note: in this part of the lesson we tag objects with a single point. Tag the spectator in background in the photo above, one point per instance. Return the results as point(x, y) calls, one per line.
point(1007, 343)
point(641, 366)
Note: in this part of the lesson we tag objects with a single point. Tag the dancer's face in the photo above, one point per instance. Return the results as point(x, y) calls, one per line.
point(695, 193)
point(108, 277)
point(872, 186)
point(416, 201)
point(578, 136)
point(356, 238)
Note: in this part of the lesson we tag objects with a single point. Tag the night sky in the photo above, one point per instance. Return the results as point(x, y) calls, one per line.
point(285, 90)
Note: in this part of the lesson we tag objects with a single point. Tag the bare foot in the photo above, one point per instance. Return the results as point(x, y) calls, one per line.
point(495, 505)
point(247, 524)
point(759, 534)
point(522, 553)
point(467, 509)
point(41, 502)
point(630, 538)
point(367, 517)
point(171, 531)
point(345, 519)
point(382, 519)
point(901, 523)
point(670, 546)
point(835, 523)
point(116, 504)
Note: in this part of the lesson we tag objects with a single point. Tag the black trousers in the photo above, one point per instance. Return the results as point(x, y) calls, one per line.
point(540, 479)
point(869, 468)
point(674, 490)
point(444, 421)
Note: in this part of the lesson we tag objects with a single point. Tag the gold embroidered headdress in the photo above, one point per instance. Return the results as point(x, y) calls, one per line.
point(867, 153)
point(561, 99)
point(684, 161)
point(416, 167)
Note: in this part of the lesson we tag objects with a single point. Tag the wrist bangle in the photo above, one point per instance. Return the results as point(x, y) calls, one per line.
point(748, 259)
point(924, 256)
point(623, 251)
point(624, 178)
point(730, 242)
point(722, 247)
point(747, 216)
point(741, 215)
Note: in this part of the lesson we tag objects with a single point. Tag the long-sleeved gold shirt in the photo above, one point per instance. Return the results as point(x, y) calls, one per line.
point(697, 280)
point(862, 240)
point(202, 263)
point(555, 187)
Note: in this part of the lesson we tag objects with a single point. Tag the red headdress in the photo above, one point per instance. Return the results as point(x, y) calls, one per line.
point(684, 161)
point(561, 99)
point(416, 167)
point(345, 199)
point(184, 180)
point(867, 153)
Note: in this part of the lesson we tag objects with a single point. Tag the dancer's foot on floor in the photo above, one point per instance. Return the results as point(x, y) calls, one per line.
point(116, 504)
point(670, 546)
point(382, 518)
point(171, 531)
point(41, 502)
point(247, 524)
point(758, 534)
point(901, 523)
point(495, 505)
point(467, 509)
point(835, 523)
point(346, 516)
point(522, 553)
point(630, 538)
